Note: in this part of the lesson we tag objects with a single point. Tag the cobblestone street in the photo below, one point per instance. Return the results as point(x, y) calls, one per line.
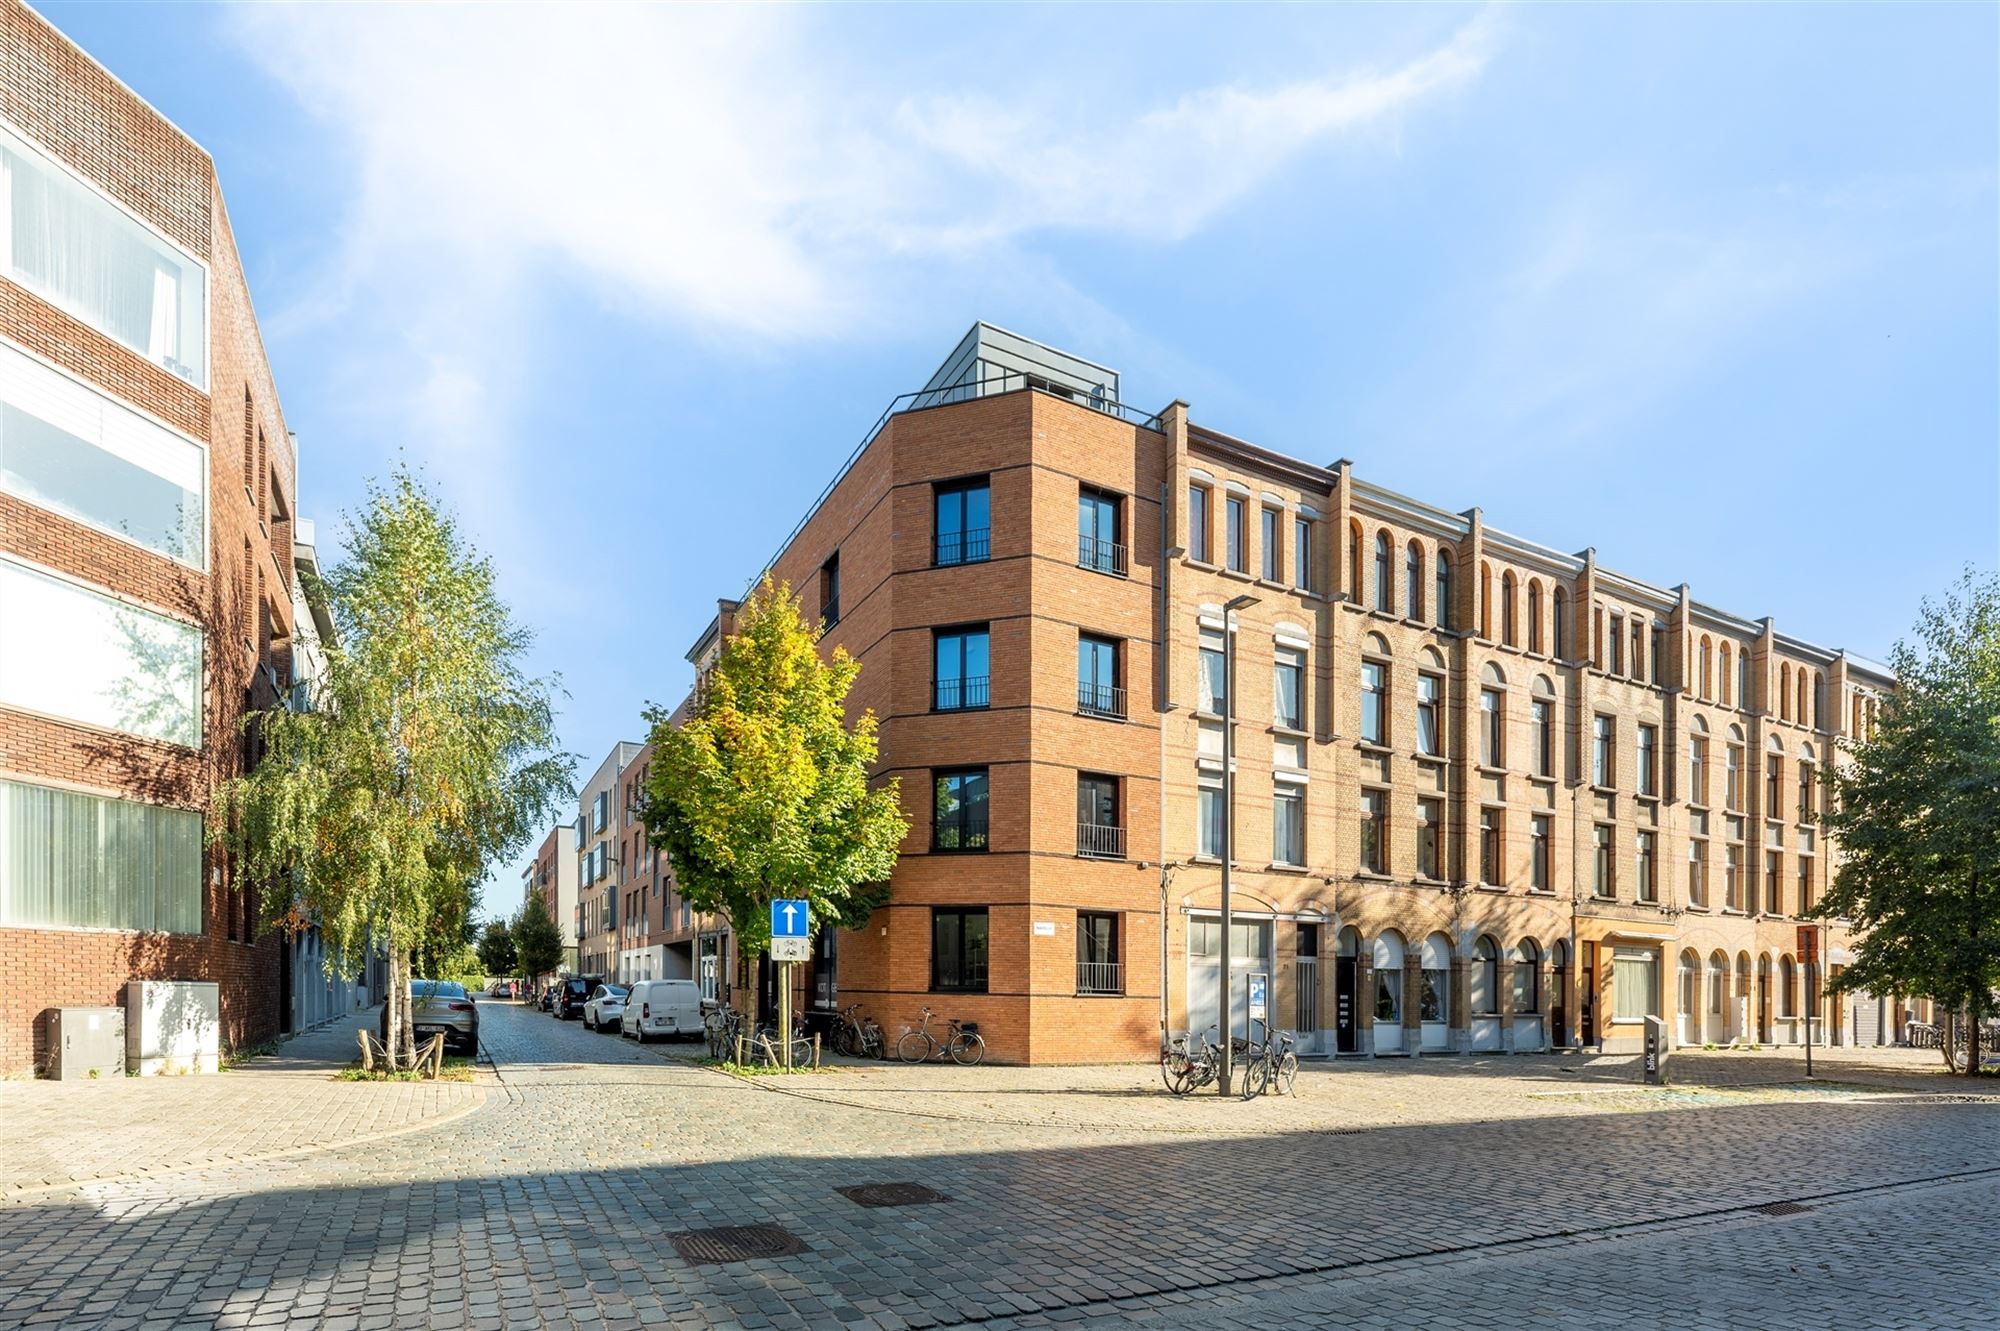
point(551, 1204)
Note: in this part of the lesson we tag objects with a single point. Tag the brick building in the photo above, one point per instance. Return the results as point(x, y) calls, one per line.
point(1488, 795)
point(147, 494)
point(552, 875)
point(600, 862)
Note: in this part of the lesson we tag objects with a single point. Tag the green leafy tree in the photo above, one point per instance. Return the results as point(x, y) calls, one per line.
point(428, 755)
point(496, 949)
point(1916, 811)
point(763, 792)
point(537, 938)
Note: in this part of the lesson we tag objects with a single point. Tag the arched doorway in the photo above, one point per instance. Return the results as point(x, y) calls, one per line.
point(1763, 1000)
point(1347, 992)
point(1434, 994)
point(1559, 993)
point(1690, 999)
point(1388, 996)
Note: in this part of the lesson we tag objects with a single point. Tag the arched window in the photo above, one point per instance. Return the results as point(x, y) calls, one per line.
point(1785, 691)
point(1434, 981)
point(1388, 971)
point(1559, 625)
point(1527, 977)
point(1742, 677)
point(1707, 670)
point(1718, 984)
point(1690, 988)
point(1485, 978)
point(1354, 562)
point(1385, 592)
point(1414, 581)
point(1819, 701)
point(1485, 600)
point(1443, 589)
point(1799, 712)
point(1788, 999)
point(1507, 588)
point(1725, 673)
point(1534, 615)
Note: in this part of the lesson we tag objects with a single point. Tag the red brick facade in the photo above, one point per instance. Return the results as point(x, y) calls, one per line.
point(54, 96)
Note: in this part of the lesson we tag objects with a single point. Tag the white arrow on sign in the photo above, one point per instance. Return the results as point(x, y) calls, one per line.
point(790, 910)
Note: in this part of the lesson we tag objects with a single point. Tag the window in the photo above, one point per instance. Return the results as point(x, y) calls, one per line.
point(1413, 590)
point(1430, 835)
point(1273, 556)
point(1774, 883)
point(1788, 998)
point(1534, 615)
point(1545, 736)
point(1489, 847)
point(67, 448)
point(1443, 600)
point(1375, 831)
point(958, 950)
point(1649, 767)
point(1635, 980)
point(961, 678)
point(1354, 562)
point(600, 806)
point(1541, 873)
point(1617, 646)
point(1302, 546)
point(1374, 713)
point(964, 523)
point(1698, 770)
point(1288, 824)
point(76, 653)
point(1698, 872)
point(1492, 729)
point(1559, 626)
point(1198, 523)
point(1097, 531)
point(1732, 877)
point(79, 251)
point(1430, 720)
point(1233, 533)
point(81, 861)
point(1385, 599)
point(1484, 981)
point(1649, 882)
point(1527, 977)
point(1507, 608)
point(958, 819)
point(1097, 968)
point(1288, 684)
point(1808, 785)
point(1208, 818)
point(1805, 893)
point(1732, 772)
point(1603, 755)
point(1098, 831)
point(1603, 881)
point(1097, 691)
point(1211, 683)
point(1743, 679)
point(829, 590)
point(1774, 786)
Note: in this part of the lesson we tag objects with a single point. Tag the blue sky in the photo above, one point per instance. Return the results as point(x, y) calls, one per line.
point(1710, 288)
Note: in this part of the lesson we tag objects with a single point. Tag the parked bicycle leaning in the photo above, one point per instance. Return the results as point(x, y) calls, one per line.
point(962, 1043)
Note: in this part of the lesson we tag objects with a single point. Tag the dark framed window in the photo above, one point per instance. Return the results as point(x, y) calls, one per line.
point(1374, 703)
point(1540, 870)
point(1603, 757)
point(1288, 824)
point(1098, 969)
point(1198, 523)
point(1649, 854)
point(829, 590)
point(1430, 715)
point(1302, 550)
point(1442, 611)
point(958, 809)
point(962, 677)
point(1273, 523)
point(1097, 688)
point(1237, 538)
point(958, 949)
point(963, 528)
point(1489, 847)
point(1288, 688)
point(1098, 831)
point(1602, 882)
point(1375, 831)
point(1649, 760)
point(1430, 828)
point(1097, 532)
point(1543, 712)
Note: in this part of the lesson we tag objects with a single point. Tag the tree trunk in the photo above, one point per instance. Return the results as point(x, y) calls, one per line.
point(1972, 1038)
point(394, 1015)
point(405, 1033)
point(1947, 1030)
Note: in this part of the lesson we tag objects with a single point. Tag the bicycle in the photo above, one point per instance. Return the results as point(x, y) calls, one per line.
point(1186, 1071)
point(1273, 1064)
point(723, 1025)
point(964, 1045)
point(767, 1048)
point(854, 1037)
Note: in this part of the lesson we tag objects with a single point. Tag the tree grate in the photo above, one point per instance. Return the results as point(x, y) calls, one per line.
point(891, 1194)
point(1782, 1208)
point(736, 1243)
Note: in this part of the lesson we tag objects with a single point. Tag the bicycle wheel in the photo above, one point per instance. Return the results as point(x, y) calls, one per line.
point(802, 1052)
point(1174, 1072)
point(1288, 1074)
point(914, 1047)
point(967, 1050)
point(1256, 1076)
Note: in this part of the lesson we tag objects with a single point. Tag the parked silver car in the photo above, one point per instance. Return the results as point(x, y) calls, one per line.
point(441, 1006)
point(606, 1007)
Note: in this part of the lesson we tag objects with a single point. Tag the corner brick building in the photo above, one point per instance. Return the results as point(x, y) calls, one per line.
point(1489, 796)
point(147, 494)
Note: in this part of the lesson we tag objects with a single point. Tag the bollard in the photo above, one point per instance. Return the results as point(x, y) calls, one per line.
point(815, 1051)
point(1653, 1063)
point(739, 1049)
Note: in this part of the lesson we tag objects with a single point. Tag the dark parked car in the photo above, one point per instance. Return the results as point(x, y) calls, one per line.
point(441, 1006)
point(572, 993)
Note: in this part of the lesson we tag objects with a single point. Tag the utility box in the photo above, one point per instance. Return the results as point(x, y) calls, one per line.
point(172, 1026)
point(86, 1042)
point(1653, 1061)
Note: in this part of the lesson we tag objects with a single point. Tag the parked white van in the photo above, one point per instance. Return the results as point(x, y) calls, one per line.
point(662, 1007)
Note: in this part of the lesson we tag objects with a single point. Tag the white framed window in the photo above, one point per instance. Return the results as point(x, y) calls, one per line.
point(71, 245)
point(69, 651)
point(1288, 824)
point(1635, 984)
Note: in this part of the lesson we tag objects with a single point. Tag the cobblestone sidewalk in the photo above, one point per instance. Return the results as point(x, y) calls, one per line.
point(54, 1134)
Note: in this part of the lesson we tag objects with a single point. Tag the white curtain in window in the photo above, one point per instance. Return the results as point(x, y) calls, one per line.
point(1634, 984)
point(1209, 686)
point(81, 861)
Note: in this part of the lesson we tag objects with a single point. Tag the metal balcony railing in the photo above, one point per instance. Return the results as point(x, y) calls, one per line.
point(831, 614)
point(1100, 977)
point(1097, 841)
point(1100, 700)
point(956, 695)
point(1103, 556)
point(972, 546)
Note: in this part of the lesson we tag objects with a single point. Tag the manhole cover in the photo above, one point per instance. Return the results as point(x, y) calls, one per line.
point(891, 1194)
point(1782, 1208)
point(737, 1243)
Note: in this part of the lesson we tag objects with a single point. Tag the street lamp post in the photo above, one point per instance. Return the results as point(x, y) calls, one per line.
point(1228, 821)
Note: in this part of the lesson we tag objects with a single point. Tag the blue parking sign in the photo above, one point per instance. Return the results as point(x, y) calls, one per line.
point(789, 919)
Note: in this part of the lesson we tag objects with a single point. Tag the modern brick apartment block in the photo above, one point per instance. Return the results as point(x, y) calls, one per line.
point(600, 862)
point(146, 551)
point(657, 930)
point(1488, 795)
point(552, 875)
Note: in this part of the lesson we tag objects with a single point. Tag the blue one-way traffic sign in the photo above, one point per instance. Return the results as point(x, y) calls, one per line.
point(789, 920)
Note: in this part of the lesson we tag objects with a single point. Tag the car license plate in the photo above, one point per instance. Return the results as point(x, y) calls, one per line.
point(430, 1030)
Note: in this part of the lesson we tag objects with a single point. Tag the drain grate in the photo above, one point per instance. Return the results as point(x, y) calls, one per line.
point(1782, 1208)
point(736, 1243)
point(891, 1194)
